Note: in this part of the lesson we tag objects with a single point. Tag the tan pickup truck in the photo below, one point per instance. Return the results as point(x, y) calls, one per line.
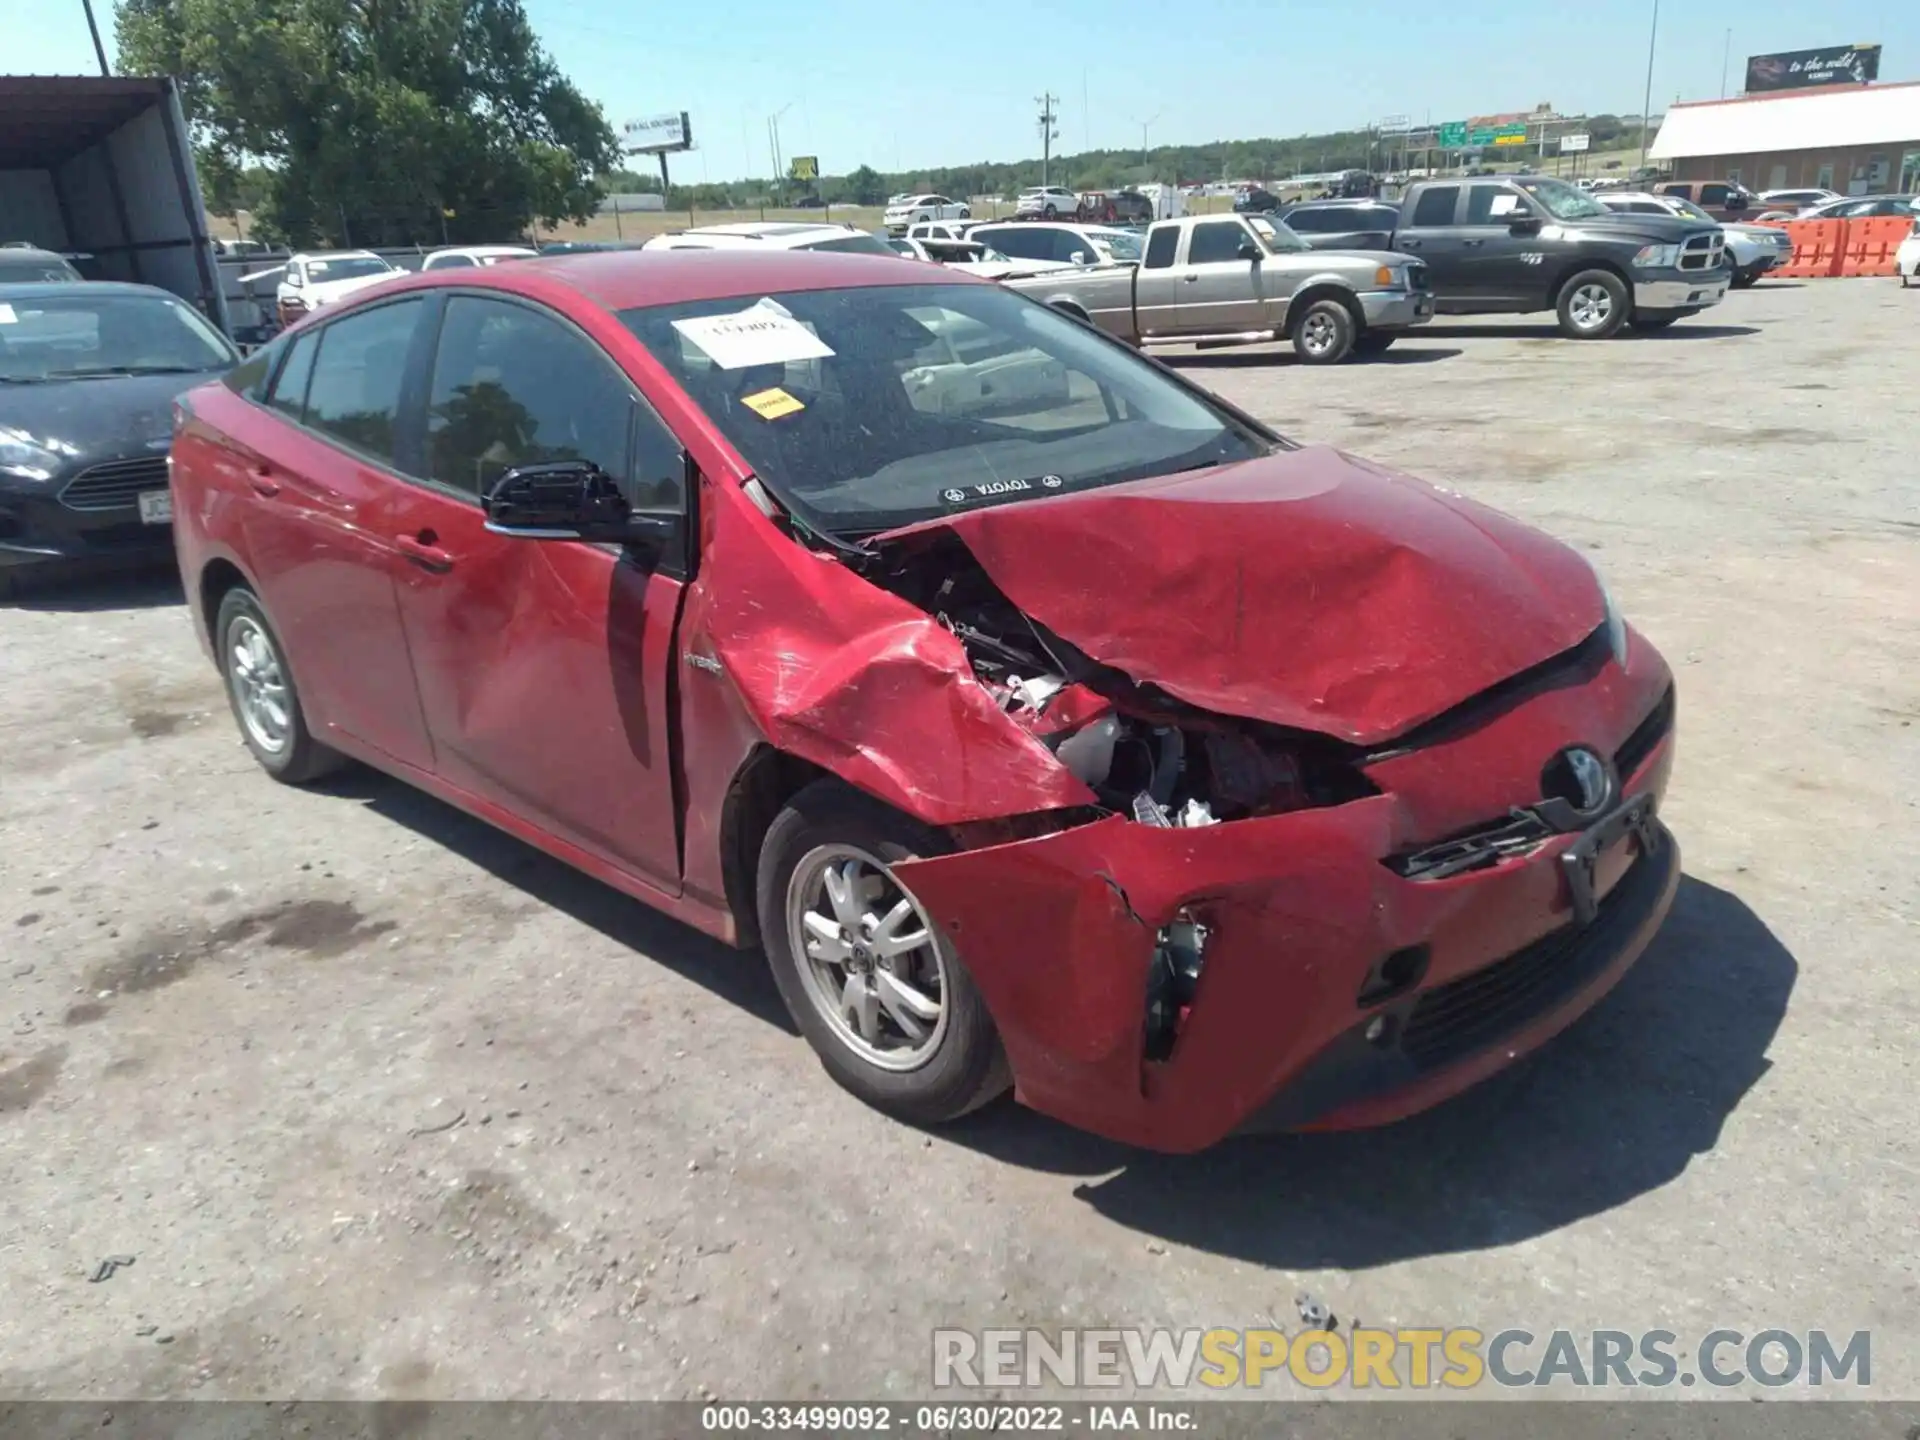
point(1245, 280)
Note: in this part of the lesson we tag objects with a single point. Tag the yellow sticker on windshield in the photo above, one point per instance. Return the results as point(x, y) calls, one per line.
point(772, 404)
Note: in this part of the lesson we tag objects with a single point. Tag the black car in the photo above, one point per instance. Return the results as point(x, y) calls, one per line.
point(1344, 224)
point(88, 375)
point(1255, 201)
point(29, 265)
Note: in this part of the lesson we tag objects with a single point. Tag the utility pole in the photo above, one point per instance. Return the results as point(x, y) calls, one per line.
point(1049, 132)
point(1646, 104)
point(99, 50)
point(1144, 126)
point(1726, 54)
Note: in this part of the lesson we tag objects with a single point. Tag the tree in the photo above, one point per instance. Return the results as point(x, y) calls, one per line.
point(378, 121)
point(866, 186)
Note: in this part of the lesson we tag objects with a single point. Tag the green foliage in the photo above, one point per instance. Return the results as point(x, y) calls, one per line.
point(379, 122)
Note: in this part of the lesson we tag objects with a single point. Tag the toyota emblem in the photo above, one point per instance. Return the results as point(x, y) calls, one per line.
point(953, 497)
point(1052, 482)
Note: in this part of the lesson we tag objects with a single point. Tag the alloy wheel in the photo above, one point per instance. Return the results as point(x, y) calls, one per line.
point(259, 684)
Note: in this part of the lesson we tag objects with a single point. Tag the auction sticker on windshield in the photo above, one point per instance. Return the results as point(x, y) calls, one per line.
point(7, 317)
point(771, 404)
point(763, 334)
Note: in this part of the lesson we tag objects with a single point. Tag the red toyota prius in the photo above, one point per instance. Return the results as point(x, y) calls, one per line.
point(1048, 721)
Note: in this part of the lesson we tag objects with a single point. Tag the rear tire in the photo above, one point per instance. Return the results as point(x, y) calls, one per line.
point(1372, 342)
point(1323, 333)
point(262, 693)
point(956, 1064)
point(1048, 212)
point(1592, 305)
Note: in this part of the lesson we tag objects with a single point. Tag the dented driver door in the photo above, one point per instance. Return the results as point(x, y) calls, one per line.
point(543, 664)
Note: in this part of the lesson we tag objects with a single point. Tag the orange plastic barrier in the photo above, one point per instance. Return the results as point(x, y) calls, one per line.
point(1870, 245)
point(1819, 248)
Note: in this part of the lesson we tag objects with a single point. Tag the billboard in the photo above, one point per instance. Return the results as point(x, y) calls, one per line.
point(657, 134)
point(804, 167)
point(1574, 144)
point(1798, 69)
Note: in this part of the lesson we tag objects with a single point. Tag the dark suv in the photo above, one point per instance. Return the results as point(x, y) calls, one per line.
point(1344, 224)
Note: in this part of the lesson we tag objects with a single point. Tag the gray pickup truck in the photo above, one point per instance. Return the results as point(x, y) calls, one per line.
point(1243, 280)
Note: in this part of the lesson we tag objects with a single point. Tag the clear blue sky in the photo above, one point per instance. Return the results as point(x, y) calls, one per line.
point(900, 83)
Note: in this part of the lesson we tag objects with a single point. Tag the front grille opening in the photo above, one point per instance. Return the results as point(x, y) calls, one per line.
point(1646, 736)
point(115, 485)
point(1393, 975)
point(1453, 1020)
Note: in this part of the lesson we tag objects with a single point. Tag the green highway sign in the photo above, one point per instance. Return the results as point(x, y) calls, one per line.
point(1453, 135)
point(1456, 136)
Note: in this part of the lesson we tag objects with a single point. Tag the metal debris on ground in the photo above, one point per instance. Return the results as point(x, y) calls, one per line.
point(1314, 1314)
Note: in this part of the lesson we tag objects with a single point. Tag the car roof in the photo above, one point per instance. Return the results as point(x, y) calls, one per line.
point(332, 255)
point(32, 252)
point(45, 289)
point(622, 279)
point(767, 229)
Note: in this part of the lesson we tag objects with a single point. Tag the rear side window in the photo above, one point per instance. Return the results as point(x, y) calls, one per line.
point(290, 390)
point(354, 395)
point(1161, 244)
point(1311, 222)
point(1714, 194)
point(1021, 243)
point(1435, 206)
point(1215, 243)
point(512, 386)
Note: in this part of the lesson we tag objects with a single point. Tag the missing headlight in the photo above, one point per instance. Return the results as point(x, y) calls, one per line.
point(1173, 977)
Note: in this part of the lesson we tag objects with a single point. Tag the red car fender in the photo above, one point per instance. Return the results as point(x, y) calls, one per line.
point(855, 680)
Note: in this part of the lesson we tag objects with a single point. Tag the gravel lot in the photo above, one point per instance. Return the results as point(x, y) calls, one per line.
point(384, 1104)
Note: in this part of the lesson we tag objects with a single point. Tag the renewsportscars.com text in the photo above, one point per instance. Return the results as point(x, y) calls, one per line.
point(1460, 1358)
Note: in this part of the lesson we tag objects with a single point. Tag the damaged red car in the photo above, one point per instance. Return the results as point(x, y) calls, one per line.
point(1049, 722)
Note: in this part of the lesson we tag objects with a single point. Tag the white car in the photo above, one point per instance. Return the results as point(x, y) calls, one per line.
point(970, 257)
point(465, 257)
point(1752, 250)
point(941, 229)
point(772, 235)
point(917, 208)
point(1069, 244)
point(1906, 260)
point(1047, 201)
point(312, 280)
point(1796, 199)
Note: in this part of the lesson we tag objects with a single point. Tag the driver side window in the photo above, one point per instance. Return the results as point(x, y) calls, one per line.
point(1215, 242)
point(512, 386)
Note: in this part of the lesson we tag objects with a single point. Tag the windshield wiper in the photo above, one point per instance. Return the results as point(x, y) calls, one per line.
point(98, 372)
point(22, 379)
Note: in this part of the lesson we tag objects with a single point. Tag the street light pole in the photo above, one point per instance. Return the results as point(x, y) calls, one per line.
point(1144, 124)
point(1646, 104)
point(99, 50)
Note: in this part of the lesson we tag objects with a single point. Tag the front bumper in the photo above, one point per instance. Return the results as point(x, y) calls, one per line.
point(1396, 309)
point(1302, 911)
point(1676, 290)
point(38, 525)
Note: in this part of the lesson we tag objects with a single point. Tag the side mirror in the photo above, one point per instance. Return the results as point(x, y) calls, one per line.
point(294, 281)
point(1079, 257)
point(1524, 225)
point(571, 500)
point(1249, 250)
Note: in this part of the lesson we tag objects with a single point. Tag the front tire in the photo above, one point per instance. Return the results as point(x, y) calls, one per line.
point(1048, 212)
point(1323, 333)
point(261, 692)
point(873, 984)
point(1745, 279)
point(1592, 305)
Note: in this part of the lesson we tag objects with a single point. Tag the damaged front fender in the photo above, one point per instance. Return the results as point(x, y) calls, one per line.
point(858, 681)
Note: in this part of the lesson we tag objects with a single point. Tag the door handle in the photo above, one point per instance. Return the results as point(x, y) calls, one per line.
point(1469, 244)
point(1409, 244)
point(1190, 279)
point(424, 550)
point(260, 477)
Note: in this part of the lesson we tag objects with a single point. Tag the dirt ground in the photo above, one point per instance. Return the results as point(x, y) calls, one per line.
point(380, 1103)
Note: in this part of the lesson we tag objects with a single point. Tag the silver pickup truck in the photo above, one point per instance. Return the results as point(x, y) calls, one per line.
point(1244, 280)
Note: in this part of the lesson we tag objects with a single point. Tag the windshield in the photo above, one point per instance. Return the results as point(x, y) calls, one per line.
point(1117, 244)
point(354, 267)
point(874, 407)
point(1683, 206)
point(74, 336)
point(1562, 201)
point(15, 271)
point(852, 244)
point(1276, 237)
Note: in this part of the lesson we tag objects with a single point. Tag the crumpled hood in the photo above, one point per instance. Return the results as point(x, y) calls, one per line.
point(1307, 588)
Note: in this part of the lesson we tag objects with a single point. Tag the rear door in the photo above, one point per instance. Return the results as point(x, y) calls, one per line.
point(322, 469)
point(1430, 231)
point(543, 665)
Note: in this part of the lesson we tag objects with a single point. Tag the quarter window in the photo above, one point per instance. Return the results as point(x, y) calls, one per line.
point(290, 390)
point(512, 386)
point(354, 394)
